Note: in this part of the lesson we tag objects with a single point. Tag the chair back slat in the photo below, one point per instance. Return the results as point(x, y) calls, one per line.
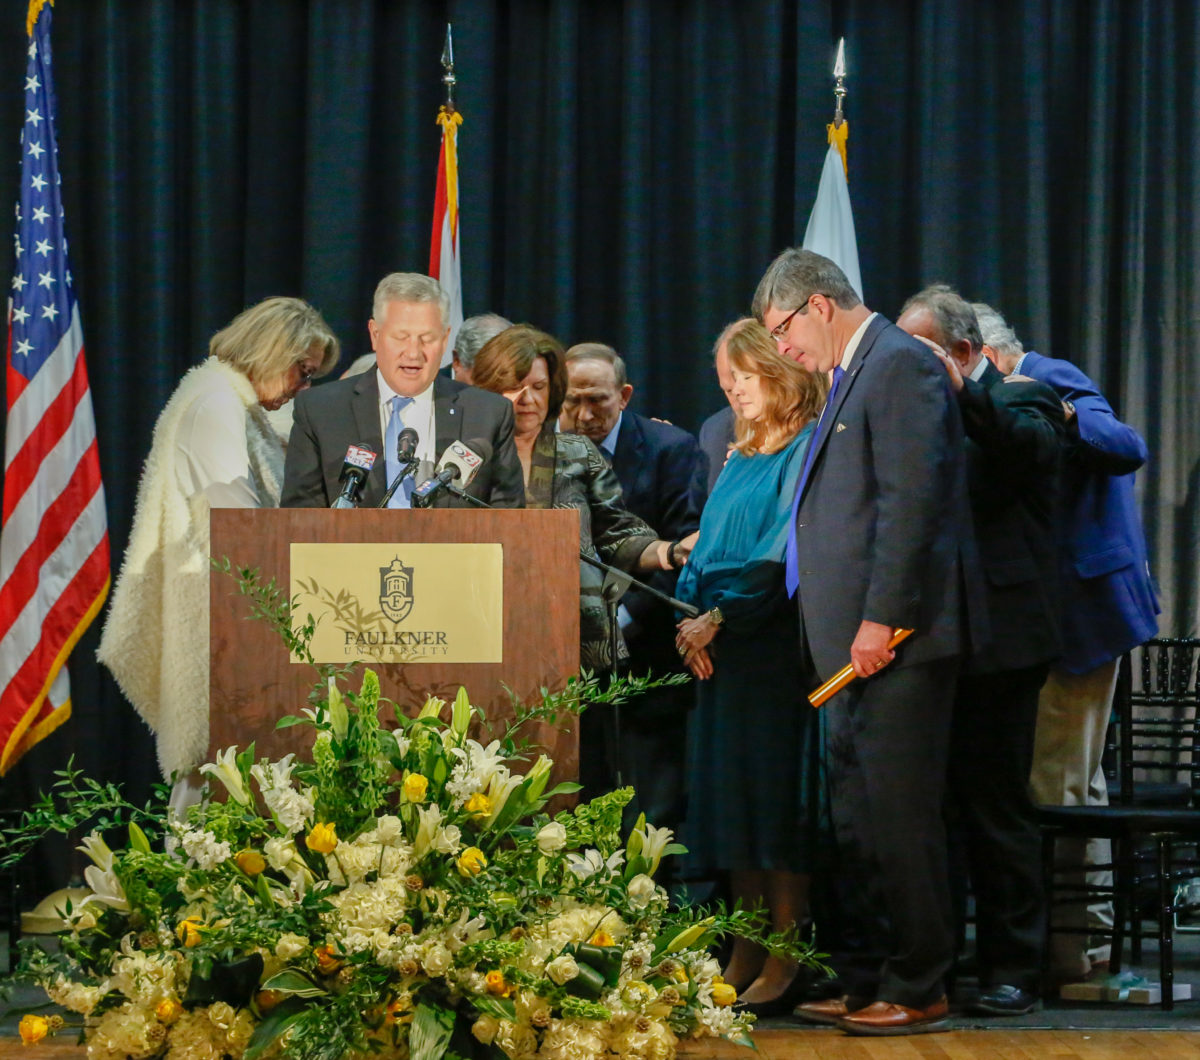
point(1157, 716)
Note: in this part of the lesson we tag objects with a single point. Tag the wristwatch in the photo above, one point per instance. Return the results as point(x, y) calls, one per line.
point(715, 616)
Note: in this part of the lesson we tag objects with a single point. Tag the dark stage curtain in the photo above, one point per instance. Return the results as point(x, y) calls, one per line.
point(628, 170)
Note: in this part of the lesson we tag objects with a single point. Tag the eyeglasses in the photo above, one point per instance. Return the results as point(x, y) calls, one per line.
point(780, 329)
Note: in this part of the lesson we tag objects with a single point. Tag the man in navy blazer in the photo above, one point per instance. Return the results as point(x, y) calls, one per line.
point(1109, 606)
point(657, 465)
point(882, 541)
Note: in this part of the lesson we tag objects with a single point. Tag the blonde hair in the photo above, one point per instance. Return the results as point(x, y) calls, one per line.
point(264, 341)
point(791, 396)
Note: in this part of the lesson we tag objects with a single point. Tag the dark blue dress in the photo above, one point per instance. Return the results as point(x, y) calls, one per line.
point(753, 739)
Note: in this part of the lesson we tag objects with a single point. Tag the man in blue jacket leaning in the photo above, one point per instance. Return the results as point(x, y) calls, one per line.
point(1109, 606)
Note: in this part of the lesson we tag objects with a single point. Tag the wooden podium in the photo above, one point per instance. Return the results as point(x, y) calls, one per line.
point(253, 681)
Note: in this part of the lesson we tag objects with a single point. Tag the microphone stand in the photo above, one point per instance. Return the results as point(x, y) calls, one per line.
point(616, 582)
point(688, 610)
point(410, 465)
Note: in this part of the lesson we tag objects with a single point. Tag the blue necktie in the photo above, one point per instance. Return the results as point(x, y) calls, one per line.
point(792, 564)
point(402, 498)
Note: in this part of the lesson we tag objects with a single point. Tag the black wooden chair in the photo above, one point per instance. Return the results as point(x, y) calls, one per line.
point(1155, 807)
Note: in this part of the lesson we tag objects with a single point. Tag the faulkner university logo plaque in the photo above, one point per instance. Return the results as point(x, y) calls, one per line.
point(421, 603)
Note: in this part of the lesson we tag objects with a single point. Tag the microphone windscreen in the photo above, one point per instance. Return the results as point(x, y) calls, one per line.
point(481, 447)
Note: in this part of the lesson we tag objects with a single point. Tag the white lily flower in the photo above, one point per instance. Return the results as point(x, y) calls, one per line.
point(429, 828)
point(590, 862)
point(106, 888)
point(502, 786)
point(98, 850)
point(226, 771)
point(654, 842)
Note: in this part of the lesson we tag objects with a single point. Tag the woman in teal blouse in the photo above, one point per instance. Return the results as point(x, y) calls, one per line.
point(752, 748)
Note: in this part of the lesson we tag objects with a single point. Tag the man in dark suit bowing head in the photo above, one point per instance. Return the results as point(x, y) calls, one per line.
point(409, 329)
point(656, 464)
point(881, 541)
point(1015, 442)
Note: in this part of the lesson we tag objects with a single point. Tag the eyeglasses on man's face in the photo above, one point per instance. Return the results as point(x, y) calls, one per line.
point(779, 331)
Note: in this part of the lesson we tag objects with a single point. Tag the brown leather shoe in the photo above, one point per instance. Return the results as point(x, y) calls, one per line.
point(829, 1011)
point(884, 1019)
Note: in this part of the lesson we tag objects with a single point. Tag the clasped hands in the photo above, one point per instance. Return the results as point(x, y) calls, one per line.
point(692, 640)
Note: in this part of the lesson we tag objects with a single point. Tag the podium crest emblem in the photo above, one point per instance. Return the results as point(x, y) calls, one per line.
point(396, 590)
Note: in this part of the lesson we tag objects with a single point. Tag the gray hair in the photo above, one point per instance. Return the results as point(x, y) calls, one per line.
point(410, 287)
point(266, 340)
point(795, 276)
point(598, 351)
point(995, 330)
point(726, 331)
point(952, 315)
point(474, 332)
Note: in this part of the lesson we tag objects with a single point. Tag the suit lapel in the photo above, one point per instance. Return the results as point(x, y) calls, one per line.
point(364, 405)
point(447, 415)
point(628, 458)
point(828, 421)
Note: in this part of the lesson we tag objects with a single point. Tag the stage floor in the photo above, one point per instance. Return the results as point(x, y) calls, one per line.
point(805, 1044)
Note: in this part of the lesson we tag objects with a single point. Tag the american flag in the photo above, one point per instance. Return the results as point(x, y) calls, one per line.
point(54, 570)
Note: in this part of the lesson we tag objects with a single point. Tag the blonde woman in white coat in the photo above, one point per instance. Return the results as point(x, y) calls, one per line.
point(213, 448)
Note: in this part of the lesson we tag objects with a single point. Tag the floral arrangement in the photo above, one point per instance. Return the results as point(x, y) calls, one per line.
point(403, 892)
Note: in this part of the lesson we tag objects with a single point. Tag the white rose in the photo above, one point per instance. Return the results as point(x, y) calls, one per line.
point(562, 969)
point(280, 853)
point(388, 828)
point(290, 945)
point(437, 959)
point(551, 838)
point(485, 1029)
point(642, 891)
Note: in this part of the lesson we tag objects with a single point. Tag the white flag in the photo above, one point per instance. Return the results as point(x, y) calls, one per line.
point(830, 229)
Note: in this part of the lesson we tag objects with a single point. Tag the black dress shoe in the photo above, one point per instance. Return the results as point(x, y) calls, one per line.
point(781, 1005)
point(1003, 1001)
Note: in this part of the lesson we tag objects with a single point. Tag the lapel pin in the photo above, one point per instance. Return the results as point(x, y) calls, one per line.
point(841, 426)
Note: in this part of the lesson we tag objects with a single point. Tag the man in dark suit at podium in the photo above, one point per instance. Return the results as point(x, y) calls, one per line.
point(409, 330)
point(656, 465)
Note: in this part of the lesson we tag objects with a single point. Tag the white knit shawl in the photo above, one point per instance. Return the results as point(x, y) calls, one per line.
point(155, 640)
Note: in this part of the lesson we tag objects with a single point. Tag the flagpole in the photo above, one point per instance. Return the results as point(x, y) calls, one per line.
point(444, 260)
point(448, 78)
point(839, 87)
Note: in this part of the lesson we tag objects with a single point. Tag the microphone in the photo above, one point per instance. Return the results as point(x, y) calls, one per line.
point(457, 467)
point(406, 454)
point(359, 460)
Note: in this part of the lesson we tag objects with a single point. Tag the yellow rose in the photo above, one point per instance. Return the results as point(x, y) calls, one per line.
point(601, 938)
point(415, 787)
point(168, 1010)
point(497, 984)
point(33, 1028)
point(723, 995)
point(268, 999)
point(251, 862)
point(327, 963)
point(400, 1010)
point(471, 862)
point(322, 839)
point(188, 931)
point(479, 804)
